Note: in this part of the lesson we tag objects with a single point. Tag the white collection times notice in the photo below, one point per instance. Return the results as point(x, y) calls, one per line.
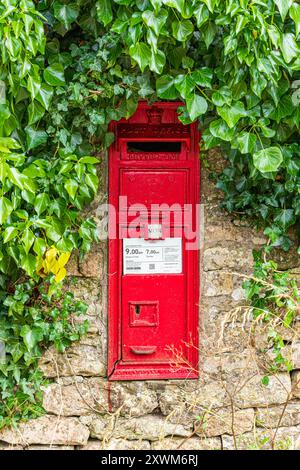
point(152, 256)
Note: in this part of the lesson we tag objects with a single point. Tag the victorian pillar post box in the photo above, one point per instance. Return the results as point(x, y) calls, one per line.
point(153, 292)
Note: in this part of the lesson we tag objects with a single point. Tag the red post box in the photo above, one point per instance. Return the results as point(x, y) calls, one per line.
point(153, 249)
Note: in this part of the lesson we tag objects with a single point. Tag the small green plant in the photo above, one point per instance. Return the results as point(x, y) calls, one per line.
point(274, 298)
point(33, 317)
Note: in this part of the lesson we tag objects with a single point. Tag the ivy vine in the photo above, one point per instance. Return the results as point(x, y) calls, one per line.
point(67, 68)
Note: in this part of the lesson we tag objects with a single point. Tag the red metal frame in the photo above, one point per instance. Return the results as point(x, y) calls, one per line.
point(156, 123)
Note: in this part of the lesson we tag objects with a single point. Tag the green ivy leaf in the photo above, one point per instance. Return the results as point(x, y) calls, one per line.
point(108, 139)
point(182, 30)
point(89, 160)
point(265, 380)
point(9, 234)
point(22, 181)
point(165, 87)
point(220, 130)
point(6, 209)
point(211, 4)
point(289, 47)
point(295, 15)
point(245, 142)
point(203, 77)
point(268, 160)
point(39, 246)
point(196, 106)
point(92, 181)
point(178, 4)
point(202, 15)
point(285, 218)
point(66, 14)
point(54, 75)
point(232, 114)
point(222, 96)
point(141, 53)
point(31, 336)
point(71, 187)
point(35, 112)
point(185, 85)
point(157, 62)
point(27, 239)
point(41, 203)
point(104, 11)
point(33, 86)
point(283, 7)
point(45, 95)
point(7, 143)
point(155, 21)
point(35, 138)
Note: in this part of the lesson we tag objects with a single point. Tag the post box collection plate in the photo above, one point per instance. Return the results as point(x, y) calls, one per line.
point(152, 257)
point(153, 287)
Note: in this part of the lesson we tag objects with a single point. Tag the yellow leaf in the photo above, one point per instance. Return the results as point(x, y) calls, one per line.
point(40, 268)
point(61, 275)
point(50, 254)
point(50, 261)
point(63, 259)
point(55, 267)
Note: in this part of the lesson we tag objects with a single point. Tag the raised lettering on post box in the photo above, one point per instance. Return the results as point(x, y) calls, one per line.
point(153, 291)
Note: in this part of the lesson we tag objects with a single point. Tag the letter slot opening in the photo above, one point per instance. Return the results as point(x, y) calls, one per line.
point(154, 147)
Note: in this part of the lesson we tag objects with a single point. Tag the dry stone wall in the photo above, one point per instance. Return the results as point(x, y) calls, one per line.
point(227, 408)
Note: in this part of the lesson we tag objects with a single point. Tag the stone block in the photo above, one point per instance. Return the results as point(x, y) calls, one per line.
point(132, 398)
point(150, 427)
point(225, 421)
point(296, 383)
point(252, 393)
point(281, 415)
point(219, 229)
point(116, 444)
point(193, 443)
point(227, 257)
point(217, 283)
point(37, 447)
point(79, 359)
point(77, 399)
point(92, 445)
point(72, 266)
point(87, 289)
point(192, 398)
point(93, 264)
point(4, 446)
point(296, 354)
point(45, 430)
point(124, 444)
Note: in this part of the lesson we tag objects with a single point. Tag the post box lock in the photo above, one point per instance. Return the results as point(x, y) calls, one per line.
point(153, 275)
point(155, 231)
point(137, 309)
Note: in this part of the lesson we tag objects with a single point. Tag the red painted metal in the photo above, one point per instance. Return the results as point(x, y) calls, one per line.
point(161, 341)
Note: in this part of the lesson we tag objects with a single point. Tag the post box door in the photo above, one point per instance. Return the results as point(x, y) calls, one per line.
point(153, 305)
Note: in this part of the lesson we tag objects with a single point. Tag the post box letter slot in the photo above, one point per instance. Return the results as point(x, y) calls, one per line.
point(154, 146)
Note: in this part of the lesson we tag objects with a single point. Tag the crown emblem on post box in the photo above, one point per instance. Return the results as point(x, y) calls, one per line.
point(154, 115)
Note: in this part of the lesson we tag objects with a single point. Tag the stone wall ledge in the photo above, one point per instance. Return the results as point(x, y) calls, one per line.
point(47, 430)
